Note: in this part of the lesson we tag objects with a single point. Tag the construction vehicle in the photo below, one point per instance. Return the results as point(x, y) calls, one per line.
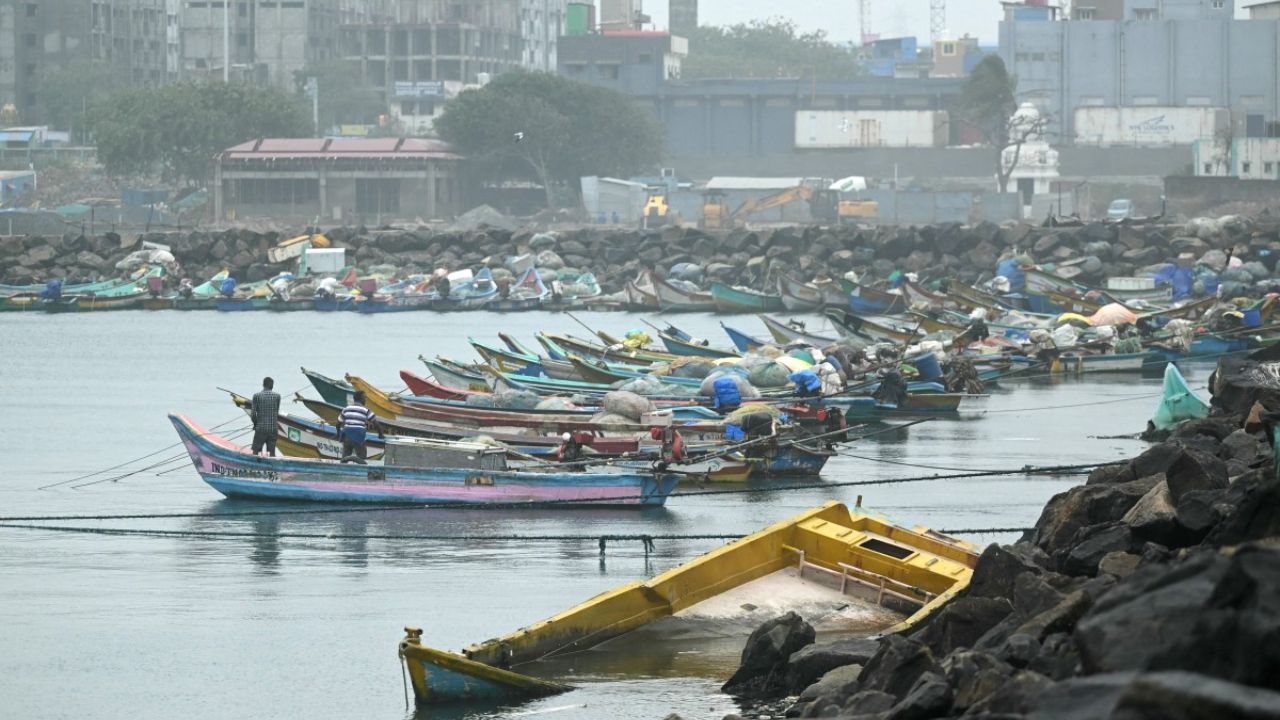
point(854, 211)
point(823, 206)
point(656, 211)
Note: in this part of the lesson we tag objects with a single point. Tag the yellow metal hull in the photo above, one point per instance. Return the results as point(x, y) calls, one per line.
point(913, 570)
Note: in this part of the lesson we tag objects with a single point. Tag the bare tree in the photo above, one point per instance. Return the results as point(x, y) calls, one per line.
point(988, 103)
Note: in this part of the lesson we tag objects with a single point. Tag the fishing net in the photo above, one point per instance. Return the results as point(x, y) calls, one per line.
point(745, 389)
point(626, 404)
point(555, 404)
point(644, 386)
point(770, 376)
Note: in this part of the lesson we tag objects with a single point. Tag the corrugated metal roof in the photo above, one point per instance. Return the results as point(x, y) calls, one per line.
point(344, 147)
point(752, 183)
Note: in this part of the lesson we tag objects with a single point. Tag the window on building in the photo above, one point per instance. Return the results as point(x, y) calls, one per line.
point(400, 42)
point(1246, 167)
point(31, 9)
point(948, 48)
point(449, 69)
point(1037, 57)
point(377, 195)
point(30, 39)
point(1218, 4)
point(1092, 100)
point(1268, 168)
point(644, 58)
point(1146, 100)
point(1021, 57)
point(242, 10)
point(1199, 100)
point(375, 42)
point(400, 70)
point(421, 42)
point(1208, 168)
point(1146, 14)
point(1086, 13)
point(574, 68)
point(448, 41)
point(608, 71)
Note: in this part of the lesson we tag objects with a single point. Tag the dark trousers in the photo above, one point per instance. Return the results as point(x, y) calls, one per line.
point(353, 451)
point(264, 438)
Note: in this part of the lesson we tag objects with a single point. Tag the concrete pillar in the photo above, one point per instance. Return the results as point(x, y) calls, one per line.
point(431, 189)
point(217, 190)
point(324, 195)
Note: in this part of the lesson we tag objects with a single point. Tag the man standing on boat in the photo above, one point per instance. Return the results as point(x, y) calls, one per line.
point(353, 428)
point(264, 411)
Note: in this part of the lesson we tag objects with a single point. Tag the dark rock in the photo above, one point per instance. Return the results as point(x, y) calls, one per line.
point(999, 566)
point(866, 702)
point(763, 671)
point(834, 686)
point(1195, 470)
point(1198, 513)
point(1109, 474)
point(930, 698)
point(1058, 657)
point(961, 622)
point(1186, 695)
point(1013, 697)
point(1090, 544)
point(1156, 459)
point(1087, 698)
point(814, 661)
point(897, 665)
point(1083, 506)
point(1034, 594)
point(975, 675)
point(1251, 510)
point(1019, 650)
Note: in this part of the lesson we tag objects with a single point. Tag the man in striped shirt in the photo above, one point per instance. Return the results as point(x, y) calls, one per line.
point(264, 411)
point(354, 423)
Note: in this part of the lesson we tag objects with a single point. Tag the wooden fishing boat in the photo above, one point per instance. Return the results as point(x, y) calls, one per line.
point(743, 341)
point(562, 345)
point(240, 304)
point(641, 293)
point(452, 376)
point(684, 348)
point(785, 333)
point(1076, 363)
point(867, 300)
point(886, 578)
point(851, 324)
point(470, 295)
point(675, 299)
point(332, 390)
point(1186, 311)
point(744, 300)
point(398, 302)
point(532, 444)
point(573, 295)
point(94, 303)
point(481, 479)
point(1041, 282)
point(800, 296)
point(605, 375)
point(526, 294)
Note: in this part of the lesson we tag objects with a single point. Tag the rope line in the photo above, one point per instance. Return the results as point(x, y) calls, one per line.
point(646, 539)
point(534, 504)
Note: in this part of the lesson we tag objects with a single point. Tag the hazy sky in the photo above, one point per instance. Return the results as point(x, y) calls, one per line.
point(889, 18)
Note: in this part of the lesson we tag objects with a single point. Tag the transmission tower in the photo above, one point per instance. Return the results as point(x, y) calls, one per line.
point(864, 20)
point(937, 19)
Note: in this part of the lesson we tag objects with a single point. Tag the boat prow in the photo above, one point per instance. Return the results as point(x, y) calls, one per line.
point(854, 557)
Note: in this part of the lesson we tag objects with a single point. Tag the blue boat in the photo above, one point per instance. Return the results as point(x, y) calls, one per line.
point(235, 472)
point(743, 341)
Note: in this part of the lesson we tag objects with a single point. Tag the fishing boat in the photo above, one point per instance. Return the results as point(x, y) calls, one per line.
point(673, 298)
point(745, 342)
point(641, 293)
point(397, 302)
point(744, 300)
point(841, 568)
point(94, 303)
point(867, 300)
point(452, 376)
point(472, 294)
point(574, 294)
point(475, 474)
point(688, 348)
point(784, 333)
point(800, 296)
point(1076, 363)
point(526, 294)
point(851, 324)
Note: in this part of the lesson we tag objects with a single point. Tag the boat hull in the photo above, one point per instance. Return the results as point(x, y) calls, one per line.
point(235, 473)
point(736, 300)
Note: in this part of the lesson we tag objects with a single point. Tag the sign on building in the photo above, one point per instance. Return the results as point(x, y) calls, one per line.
point(420, 89)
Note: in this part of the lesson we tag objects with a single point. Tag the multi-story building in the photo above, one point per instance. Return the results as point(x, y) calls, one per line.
point(37, 38)
point(1183, 65)
point(634, 62)
point(541, 23)
point(267, 41)
point(682, 17)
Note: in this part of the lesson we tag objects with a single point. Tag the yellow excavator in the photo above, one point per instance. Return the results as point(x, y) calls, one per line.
point(824, 205)
point(656, 211)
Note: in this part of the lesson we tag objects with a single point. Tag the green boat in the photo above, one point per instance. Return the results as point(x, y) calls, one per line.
point(744, 300)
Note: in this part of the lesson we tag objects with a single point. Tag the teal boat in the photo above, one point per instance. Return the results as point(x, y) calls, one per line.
point(744, 300)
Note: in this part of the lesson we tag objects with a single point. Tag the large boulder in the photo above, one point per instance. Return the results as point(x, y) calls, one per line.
point(1195, 470)
point(1083, 506)
point(897, 665)
point(1250, 510)
point(961, 622)
point(812, 662)
point(763, 671)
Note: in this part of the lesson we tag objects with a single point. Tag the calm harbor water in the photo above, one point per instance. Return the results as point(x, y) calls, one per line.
point(266, 627)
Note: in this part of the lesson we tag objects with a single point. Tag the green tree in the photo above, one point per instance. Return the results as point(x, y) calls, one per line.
point(550, 128)
point(70, 95)
point(176, 130)
point(988, 102)
point(345, 97)
point(765, 49)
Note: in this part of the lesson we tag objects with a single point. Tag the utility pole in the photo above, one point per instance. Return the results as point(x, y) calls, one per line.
point(226, 41)
point(313, 91)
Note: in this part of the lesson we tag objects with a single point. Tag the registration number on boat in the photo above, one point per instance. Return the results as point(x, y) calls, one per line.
point(473, 480)
point(241, 472)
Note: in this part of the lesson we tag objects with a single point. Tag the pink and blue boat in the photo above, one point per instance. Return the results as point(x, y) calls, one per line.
point(233, 471)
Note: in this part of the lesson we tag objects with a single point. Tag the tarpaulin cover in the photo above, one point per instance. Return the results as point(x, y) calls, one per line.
point(1113, 314)
point(1177, 403)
